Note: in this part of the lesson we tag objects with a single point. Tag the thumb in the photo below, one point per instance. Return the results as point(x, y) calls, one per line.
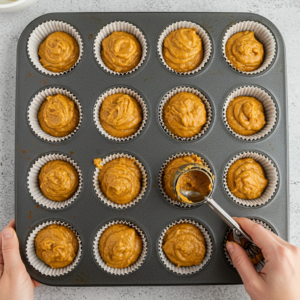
point(10, 251)
point(243, 264)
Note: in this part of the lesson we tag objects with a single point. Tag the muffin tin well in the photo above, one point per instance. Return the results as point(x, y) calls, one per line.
point(87, 214)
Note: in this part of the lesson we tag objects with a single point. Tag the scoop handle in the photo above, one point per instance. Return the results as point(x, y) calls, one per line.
point(227, 218)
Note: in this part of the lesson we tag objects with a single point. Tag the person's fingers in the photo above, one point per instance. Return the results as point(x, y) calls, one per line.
point(280, 240)
point(261, 237)
point(10, 224)
point(10, 251)
point(35, 283)
point(243, 264)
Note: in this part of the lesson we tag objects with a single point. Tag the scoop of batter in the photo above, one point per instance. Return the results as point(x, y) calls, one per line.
point(58, 180)
point(245, 115)
point(120, 246)
point(192, 181)
point(183, 49)
point(56, 245)
point(121, 51)
point(120, 115)
point(184, 245)
point(184, 114)
point(246, 179)
point(59, 52)
point(58, 115)
point(120, 180)
point(244, 51)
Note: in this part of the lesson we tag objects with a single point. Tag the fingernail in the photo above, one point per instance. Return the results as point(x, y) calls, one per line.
point(230, 247)
point(7, 233)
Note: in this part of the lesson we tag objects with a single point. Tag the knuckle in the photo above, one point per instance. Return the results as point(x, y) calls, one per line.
point(18, 269)
point(251, 286)
point(238, 261)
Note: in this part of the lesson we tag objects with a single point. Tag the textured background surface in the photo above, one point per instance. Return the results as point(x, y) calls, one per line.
point(284, 14)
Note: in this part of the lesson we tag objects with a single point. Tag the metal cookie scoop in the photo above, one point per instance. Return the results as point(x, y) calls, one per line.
point(196, 198)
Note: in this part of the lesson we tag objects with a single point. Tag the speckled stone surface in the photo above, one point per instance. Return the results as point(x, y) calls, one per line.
point(283, 13)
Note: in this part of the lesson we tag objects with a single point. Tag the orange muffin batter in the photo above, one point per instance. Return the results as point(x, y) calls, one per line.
point(184, 245)
point(182, 50)
point(121, 51)
point(56, 245)
point(245, 115)
point(120, 180)
point(246, 179)
point(120, 115)
point(59, 52)
point(184, 114)
point(58, 180)
point(244, 51)
point(193, 181)
point(58, 115)
point(255, 260)
point(120, 246)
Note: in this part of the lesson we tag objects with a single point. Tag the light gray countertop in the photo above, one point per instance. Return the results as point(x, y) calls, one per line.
point(283, 13)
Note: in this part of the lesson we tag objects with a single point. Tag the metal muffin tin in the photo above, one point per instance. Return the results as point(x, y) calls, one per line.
point(87, 214)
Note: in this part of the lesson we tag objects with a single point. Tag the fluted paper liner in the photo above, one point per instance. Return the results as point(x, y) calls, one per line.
point(270, 111)
point(208, 107)
point(192, 269)
point(133, 94)
point(206, 44)
point(130, 269)
point(39, 265)
point(161, 177)
point(271, 174)
point(101, 195)
point(258, 221)
point(40, 33)
point(34, 186)
point(35, 105)
point(119, 26)
point(262, 34)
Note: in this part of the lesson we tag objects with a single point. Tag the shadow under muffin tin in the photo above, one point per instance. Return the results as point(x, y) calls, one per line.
point(152, 213)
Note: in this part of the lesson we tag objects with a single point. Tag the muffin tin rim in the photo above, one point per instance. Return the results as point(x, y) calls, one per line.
point(277, 185)
point(236, 87)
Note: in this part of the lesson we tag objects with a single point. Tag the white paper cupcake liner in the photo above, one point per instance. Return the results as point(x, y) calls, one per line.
point(40, 33)
point(197, 92)
point(112, 91)
point(258, 221)
point(35, 105)
point(34, 186)
point(39, 265)
point(119, 26)
point(101, 195)
point(270, 111)
point(271, 174)
point(161, 178)
point(263, 35)
point(186, 270)
point(130, 269)
point(206, 44)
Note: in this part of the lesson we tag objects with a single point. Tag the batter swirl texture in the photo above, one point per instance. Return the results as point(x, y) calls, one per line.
point(59, 52)
point(120, 246)
point(58, 180)
point(184, 245)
